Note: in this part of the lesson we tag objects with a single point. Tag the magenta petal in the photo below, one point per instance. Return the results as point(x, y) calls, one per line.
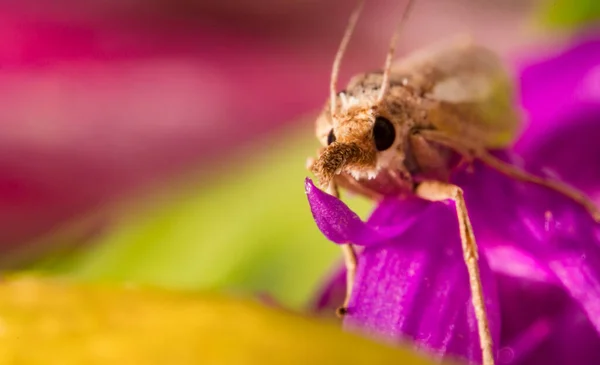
point(331, 294)
point(573, 139)
point(550, 227)
point(341, 225)
point(576, 263)
point(416, 287)
point(411, 281)
point(555, 85)
point(541, 324)
point(564, 114)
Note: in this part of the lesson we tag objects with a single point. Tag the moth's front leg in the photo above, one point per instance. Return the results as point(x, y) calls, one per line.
point(351, 261)
point(438, 191)
point(350, 257)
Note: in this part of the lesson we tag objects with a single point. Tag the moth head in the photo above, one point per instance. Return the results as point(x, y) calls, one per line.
point(361, 141)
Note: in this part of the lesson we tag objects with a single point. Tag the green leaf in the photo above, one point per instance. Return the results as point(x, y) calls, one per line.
point(245, 226)
point(569, 13)
point(49, 322)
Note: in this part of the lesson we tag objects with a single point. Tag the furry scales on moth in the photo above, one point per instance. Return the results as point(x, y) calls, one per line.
point(458, 91)
point(398, 131)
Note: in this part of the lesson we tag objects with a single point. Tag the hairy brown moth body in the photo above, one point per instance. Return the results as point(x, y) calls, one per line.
point(397, 131)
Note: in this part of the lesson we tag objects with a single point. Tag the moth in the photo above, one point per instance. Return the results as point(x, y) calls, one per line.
point(397, 131)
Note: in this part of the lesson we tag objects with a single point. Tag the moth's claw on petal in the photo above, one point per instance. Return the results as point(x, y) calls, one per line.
point(341, 311)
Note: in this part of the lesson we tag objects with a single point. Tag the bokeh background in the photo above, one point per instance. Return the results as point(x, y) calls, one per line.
point(163, 142)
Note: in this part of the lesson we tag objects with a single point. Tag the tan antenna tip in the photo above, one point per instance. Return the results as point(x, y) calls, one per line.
point(392, 48)
point(340, 53)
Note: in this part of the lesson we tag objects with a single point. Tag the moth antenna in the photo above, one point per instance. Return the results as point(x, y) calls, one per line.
point(340, 53)
point(385, 84)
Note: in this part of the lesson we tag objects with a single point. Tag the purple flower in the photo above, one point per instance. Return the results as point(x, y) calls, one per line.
point(540, 251)
point(561, 96)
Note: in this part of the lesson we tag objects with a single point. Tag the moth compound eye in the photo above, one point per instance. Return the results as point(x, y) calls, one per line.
point(383, 134)
point(330, 138)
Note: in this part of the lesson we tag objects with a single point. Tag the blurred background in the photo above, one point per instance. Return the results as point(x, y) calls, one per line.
point(164, 142)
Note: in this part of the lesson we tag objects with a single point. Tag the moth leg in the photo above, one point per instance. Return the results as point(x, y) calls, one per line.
point(350, 259)
point(514, 171)
point(438, 191)
point(348, 250)
point(519, 174)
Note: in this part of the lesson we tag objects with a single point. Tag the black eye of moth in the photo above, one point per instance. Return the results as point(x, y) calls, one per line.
point(383, 133)
point(330, 138)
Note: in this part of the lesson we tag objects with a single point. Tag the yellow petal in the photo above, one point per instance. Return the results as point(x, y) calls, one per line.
point(52, 322)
